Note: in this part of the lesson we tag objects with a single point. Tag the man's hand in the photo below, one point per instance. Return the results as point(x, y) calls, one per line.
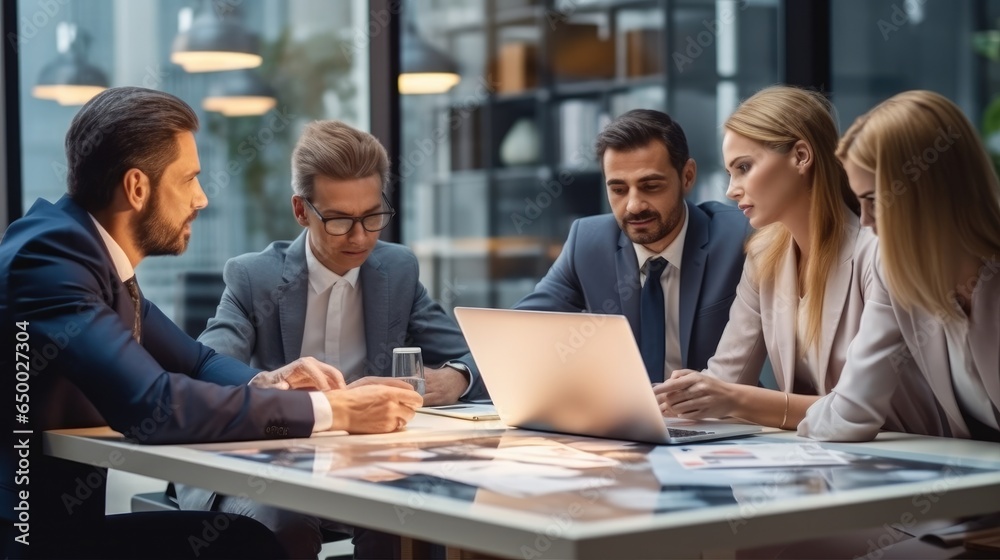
point(374, 407)
point(444, 386)
point(377, 380)
point(305, 373)
point(691, 394)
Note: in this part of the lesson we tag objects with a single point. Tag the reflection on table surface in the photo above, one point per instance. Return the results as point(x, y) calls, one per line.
point(592, 479)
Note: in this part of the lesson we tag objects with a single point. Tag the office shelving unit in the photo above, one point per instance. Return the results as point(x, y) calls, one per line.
point(510, 164)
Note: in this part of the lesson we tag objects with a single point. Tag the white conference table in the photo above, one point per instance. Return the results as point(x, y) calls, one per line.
point(633, 510)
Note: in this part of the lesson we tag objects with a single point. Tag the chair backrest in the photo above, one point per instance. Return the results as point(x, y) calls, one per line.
point(197, 299)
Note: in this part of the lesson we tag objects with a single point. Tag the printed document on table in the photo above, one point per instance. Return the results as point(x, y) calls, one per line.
point(760, 455)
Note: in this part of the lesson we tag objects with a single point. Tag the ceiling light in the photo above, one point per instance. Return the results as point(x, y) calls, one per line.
point(240, 94)
point(425, 69)
point(211, 42)
point(70, 79)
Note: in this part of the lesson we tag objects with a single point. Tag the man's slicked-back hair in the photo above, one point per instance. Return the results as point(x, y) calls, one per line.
point(338, 151)
point(637, 128)
point(119, 129)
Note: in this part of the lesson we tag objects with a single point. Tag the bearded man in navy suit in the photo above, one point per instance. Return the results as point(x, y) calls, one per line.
point(67, 280)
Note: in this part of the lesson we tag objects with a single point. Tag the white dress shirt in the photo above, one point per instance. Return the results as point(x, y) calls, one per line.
point(334, 331)
point(118, 256)
point(322, 411)
point(671, 282)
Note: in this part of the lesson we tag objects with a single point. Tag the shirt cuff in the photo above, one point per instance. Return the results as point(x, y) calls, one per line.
point(468, 375)
point(322, 412)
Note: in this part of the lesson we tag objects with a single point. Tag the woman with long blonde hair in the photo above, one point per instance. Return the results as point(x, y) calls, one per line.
point(929, 188)
point(806, 278)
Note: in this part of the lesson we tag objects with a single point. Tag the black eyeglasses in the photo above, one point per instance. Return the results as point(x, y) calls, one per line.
point(342, 226)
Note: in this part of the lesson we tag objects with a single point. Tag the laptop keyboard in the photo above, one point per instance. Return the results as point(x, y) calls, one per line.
point(678, 433)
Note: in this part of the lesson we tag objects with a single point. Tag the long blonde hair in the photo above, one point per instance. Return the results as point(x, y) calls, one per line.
point(778, 117)
point(937, 195)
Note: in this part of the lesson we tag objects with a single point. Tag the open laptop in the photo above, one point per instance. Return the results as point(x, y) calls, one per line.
point(574, 373)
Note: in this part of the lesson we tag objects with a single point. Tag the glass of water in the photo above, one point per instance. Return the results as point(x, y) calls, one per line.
point(408, 365)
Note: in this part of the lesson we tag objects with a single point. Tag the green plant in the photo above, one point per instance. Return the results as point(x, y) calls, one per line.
point(307, 75)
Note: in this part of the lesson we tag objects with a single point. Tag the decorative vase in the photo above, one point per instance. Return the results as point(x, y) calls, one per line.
point(521, 145)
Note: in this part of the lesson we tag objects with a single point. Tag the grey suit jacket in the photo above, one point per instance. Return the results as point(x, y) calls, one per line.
point(598, 272)
point(261, 317)
point(262, 314)
point(895, 345)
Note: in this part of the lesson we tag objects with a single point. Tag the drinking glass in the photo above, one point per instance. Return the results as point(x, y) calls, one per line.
point(408, 365)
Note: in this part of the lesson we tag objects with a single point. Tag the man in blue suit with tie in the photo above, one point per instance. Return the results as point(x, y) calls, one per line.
point(692, 253)
point(338, 294)
point(105, 355)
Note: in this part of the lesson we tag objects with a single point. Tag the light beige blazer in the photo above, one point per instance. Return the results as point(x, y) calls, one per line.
point(895, 346)
point(762, 323)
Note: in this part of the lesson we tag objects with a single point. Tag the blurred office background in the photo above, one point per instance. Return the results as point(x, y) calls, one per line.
point(492, 161)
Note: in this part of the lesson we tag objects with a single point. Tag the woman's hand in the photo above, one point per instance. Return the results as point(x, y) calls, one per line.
point(691, 394)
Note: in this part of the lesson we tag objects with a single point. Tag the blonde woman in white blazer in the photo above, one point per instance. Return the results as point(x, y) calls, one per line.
point(925, 180)
point(807, 276)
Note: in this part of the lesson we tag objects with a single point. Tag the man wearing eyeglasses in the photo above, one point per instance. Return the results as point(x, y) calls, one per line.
point(340, 295)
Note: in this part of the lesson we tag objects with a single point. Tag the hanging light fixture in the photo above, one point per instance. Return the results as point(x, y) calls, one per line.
point(70, 79)
point(425, 69)
point(210, 42)
point(240, 93)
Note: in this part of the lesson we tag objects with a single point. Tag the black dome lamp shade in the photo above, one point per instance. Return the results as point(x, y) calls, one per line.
point(240, 93)
point(425, 69)
point(70, 79)
point(211, 42)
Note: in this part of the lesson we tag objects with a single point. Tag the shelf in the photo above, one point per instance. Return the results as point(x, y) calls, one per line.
point(462, 176)
point(524, 15)
point(572, 7)
point(535, 94)
point(522, 173)
point(455, 20)
point(521, 14)
point(596, 87)
point(579, 171)
point(512, 173)
point(483, 247)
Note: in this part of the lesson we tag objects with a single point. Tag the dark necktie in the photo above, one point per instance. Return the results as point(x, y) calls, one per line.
point(652, 326)
point(133, 292)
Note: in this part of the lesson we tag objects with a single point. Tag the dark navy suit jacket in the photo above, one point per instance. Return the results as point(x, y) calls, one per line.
point(58, 279)
point(598, 272)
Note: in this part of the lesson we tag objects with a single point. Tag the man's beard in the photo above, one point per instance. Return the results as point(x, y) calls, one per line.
point(156, 235)
point(659, 229)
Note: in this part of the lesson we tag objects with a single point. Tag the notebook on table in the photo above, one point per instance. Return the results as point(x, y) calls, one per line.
point(465, 411)
point(574, 373)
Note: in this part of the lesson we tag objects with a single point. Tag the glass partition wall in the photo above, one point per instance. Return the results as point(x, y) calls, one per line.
point(309, 66)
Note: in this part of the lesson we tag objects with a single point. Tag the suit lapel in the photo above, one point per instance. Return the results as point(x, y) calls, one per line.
point(292, 297)
point(628, 287)
point(935, 349)
point(838, 286)
point(692, 271)
point(375, 302)
point(784, 305)
point(984, 337)
point(122, 301)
